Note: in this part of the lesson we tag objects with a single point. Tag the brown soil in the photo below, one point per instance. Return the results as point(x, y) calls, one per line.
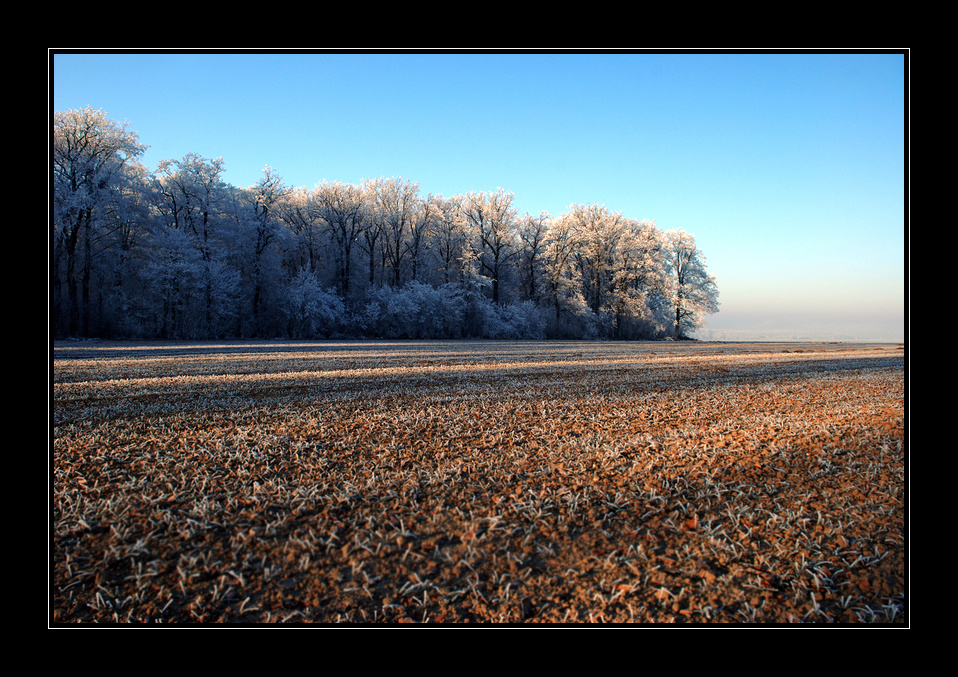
point(478, 483)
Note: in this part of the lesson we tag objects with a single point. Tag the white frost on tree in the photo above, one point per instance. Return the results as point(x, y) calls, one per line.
point(90, 154)
point(313, 311)
point(693, 290)
point(179, 253)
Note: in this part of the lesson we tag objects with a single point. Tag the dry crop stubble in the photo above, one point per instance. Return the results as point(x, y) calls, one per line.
point(478, 482)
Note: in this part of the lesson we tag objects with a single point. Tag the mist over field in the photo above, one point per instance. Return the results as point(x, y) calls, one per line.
point(776, 329)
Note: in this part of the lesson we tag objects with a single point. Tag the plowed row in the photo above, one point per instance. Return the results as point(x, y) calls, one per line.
point(478, 482)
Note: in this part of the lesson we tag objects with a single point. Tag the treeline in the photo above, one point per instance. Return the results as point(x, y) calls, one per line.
point(177, 253)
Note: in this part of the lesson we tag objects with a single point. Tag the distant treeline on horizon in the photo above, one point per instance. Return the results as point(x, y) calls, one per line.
point(177, 253)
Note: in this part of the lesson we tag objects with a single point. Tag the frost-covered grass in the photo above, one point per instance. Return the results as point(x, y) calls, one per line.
point(478, 481)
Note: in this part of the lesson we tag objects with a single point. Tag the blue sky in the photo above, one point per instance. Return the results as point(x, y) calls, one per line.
point(788, 168)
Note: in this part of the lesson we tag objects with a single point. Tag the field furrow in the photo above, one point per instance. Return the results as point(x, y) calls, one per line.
point(454, 482)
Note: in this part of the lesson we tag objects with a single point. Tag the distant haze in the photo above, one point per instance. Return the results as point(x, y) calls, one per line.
point(767, 327)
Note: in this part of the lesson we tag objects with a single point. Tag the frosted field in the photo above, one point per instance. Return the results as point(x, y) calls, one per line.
point(496, 482)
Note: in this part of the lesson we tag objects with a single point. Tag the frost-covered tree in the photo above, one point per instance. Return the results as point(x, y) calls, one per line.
point(425, 217)
point(124, 240)
point(532, 231)
point(397, 201)
point(414, 311)
point(599, 231)
point(181, 254)
point(90, 152)
point(372, 233)
point(491, 219)
point(301, 220)
point(638, 281)
point(261, 211)
point(694, 293)
point(191, 196)
point(174, 277)
point(343, 209)
point(313, 312)
point(448, 238)
point(561, 277)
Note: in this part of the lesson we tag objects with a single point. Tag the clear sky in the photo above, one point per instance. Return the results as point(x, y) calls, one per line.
point(790, 169)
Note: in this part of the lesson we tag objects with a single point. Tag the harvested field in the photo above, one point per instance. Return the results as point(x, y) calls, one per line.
point(455, 482)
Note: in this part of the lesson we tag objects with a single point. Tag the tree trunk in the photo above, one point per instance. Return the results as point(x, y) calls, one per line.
point(85, 280)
